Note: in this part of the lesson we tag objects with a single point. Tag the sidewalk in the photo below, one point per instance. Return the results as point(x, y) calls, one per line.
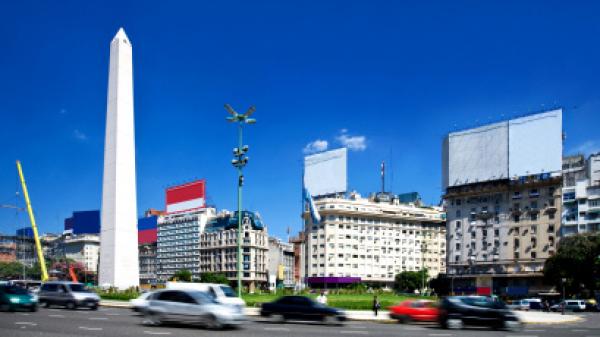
point(529, 317)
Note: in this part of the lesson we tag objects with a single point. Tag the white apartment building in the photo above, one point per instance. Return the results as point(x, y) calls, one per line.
point(372, 239)
point(178, 241)
point(281, 264)
point(82, 248)
point(581, 195)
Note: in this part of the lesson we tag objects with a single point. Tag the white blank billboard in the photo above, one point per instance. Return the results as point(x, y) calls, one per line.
point(509, 149)
point(478, 154)
point(325, 173)
point(535, 144)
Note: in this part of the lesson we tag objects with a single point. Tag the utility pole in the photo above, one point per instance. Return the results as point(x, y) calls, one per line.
point(239, 161)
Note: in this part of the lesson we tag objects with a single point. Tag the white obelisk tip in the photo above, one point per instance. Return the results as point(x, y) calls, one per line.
point(121, 34)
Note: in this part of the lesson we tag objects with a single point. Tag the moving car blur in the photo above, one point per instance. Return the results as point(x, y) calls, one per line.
point(71, 295)
point(14, 298)
point(415, 310)
point(459, 311)
point(301, 308)
point(141, 303)
point(191, 307)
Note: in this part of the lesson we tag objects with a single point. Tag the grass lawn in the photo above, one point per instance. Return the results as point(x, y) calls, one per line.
point(344, 301)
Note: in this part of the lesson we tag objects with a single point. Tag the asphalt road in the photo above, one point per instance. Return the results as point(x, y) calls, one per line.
point(122, 322)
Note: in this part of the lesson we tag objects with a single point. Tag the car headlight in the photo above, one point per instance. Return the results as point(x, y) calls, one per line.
point(14, 300)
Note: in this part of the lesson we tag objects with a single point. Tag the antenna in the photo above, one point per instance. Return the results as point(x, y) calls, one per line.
point(382, 176)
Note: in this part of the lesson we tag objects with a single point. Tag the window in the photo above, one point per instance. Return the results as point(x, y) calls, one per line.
point(516, 243)
point(458, 215)
point(551, 228)
point(457, 226)
point(533, 255)
point(534, 217)
point(533, 229)
point(551, 216)
point(516, 218)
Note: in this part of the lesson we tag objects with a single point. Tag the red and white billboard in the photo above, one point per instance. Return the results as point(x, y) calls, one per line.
point(186, 197)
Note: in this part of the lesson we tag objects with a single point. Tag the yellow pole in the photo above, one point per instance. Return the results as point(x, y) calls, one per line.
point(38, 246)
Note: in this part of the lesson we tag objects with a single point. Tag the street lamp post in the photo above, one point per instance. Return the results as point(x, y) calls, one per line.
point(239, 161)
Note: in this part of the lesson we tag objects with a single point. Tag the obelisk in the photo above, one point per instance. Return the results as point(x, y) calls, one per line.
point(118, 238)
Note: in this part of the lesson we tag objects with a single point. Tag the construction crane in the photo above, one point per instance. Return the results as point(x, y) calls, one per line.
point(36, 237)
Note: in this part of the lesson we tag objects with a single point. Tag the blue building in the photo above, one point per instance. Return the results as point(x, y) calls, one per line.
point(84, 222)
point(25, 232)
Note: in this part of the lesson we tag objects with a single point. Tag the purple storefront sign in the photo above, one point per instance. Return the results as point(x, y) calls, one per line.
point(332, 280)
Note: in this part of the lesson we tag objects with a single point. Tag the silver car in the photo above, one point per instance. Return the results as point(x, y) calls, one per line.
point(191, 307)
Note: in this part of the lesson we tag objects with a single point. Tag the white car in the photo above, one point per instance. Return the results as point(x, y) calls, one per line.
point(192, 307)
point(222, 293)
point(570, 305)
point(139, 304)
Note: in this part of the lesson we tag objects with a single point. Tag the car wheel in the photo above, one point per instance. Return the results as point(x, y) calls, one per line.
point(46, 304)
point(330, 320)
point(4, 307)
point(454, 323)
point(33, 308)
point(94, 307)
point(152, 318)
point(277, 318)
point(213, 323)
point(402, 319)
point(513, 326)
point(71, 305)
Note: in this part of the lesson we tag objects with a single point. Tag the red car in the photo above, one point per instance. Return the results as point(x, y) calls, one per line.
point(415, 310)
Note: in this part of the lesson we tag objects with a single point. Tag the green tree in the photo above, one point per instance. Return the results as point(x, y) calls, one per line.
point(214, 278)
point(183, 275)
point(408, 281)
point(578, 261)
point(441, 285)
point(11, 270)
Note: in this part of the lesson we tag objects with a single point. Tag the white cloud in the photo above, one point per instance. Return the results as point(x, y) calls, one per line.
point(587, 147)
point(316, 146)
point(79, 135)
point(356, 143)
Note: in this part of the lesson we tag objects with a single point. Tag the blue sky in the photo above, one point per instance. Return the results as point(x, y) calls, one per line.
point(389, 77)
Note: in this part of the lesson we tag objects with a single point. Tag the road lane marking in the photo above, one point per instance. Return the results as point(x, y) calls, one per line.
point(277, 329)
point(521, 336)
point(98, 318)
point(24, 314)
point(157, 332)
point(26, 323)
point(57, 316)
point(580, 330)
point(113, 314)
point(441, 334)
point(90, 329)
point(357, 332)
point(534, 330)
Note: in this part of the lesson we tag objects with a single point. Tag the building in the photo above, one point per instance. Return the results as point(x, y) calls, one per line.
point(82, 248)
point(503, 204)
point(371, 240)
point(83, 222)
point(8, 248)
point(581, 195)
point(147, 245)
point(299, 245)
point(281, 264)
point(218, 248)
point(119, 251)
point(178, 241)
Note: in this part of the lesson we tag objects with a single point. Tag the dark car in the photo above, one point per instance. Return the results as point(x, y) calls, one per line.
point(13, 298)
point(459, 311)
point(301, 308)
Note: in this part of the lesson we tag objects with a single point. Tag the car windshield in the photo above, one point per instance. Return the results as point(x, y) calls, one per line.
point(202, 297)
point(13, 290)
point(228, 291)
point(79, 288)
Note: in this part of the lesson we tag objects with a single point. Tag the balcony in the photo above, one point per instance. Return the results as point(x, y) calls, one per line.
point(485, 214)
point(515, 211)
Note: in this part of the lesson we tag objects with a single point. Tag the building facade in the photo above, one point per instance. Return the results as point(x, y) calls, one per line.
point(299, 244)
point(82, 248)
point(178, 242)
point(83, 222)
point(371, 240)
point(500, 234)
point(581, 195)
point(218, 246)
point(281, 264)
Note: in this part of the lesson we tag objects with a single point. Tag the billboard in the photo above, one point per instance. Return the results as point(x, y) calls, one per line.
point(186, 197)
point(518, 147)
point(326, 173)
point(478, 154)
point(535, 144)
